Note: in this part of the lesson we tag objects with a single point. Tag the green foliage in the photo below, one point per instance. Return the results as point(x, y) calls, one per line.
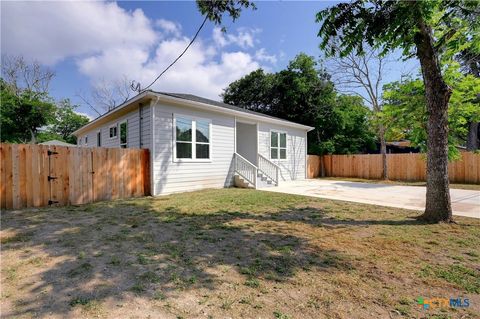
point(354, 134)
point(303, 93)
point(214, 10)
point(405, 111)
point(28, 116)
point(392, 24)
point(23, 114)
point(67, 121)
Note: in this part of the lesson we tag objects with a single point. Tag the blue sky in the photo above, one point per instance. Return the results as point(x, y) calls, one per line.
point(93, 43)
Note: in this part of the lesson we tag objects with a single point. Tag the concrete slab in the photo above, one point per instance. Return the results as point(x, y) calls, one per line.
point(464, 202)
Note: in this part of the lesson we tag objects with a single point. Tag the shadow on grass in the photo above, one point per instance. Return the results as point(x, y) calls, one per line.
point(116, 250)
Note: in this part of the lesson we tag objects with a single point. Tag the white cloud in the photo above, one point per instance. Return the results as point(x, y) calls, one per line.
point(52, 31)
point(108, 42)
point(90, 117)
point(244, 38)
point(169, 27)
point(262, 55)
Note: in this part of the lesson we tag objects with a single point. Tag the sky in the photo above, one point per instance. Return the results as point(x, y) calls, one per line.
point(96, 42)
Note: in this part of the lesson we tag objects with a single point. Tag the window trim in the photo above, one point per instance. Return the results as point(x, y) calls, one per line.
point(278, 147)
point(113, 137)
point(194, 120)
point(99, 140)
point(120, 133)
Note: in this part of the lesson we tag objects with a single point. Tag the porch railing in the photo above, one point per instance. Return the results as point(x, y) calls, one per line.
point(246, 169)
point(268, 168)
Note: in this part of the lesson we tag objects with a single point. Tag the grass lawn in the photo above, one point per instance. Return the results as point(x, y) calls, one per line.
point(234, 253)
point(474, 187)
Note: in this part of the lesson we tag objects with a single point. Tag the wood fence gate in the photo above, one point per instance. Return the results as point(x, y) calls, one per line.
point(41, 175)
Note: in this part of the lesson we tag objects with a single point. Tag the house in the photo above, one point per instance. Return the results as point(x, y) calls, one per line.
point(198, 143)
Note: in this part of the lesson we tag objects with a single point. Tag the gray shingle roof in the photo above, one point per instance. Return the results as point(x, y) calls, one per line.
point(200, 99)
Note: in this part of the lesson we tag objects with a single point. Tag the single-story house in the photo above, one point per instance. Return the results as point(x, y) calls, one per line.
point(198, 143)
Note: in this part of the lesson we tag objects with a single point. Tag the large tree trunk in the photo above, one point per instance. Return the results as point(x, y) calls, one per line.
point(438, 206)
point(473, 142)
point(383, 151)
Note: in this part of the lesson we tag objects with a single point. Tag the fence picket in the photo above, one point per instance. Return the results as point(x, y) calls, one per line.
point(24, 171)
point(403, 167)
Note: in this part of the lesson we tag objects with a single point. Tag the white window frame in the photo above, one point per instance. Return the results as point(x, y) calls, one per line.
point(99, 140)
point(194, 120)
point(119, 134)
point(278, 147)
point(85, 139)
point(116, 131)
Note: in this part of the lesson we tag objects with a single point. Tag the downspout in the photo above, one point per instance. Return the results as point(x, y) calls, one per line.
point(152, 148)
point(140, 121)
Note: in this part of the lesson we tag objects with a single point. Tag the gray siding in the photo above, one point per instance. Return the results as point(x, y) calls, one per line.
point(170, 176)
point(133, 136)
point(294, 166)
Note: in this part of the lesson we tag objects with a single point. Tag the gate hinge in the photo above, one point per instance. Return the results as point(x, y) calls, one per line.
point(51, 153)
point(51, 177)
point(50, 202)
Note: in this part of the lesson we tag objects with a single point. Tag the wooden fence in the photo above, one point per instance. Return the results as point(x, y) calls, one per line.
point(402, 167)
point(41, 175)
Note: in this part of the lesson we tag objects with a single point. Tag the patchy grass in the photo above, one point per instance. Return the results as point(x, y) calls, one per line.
point(474, 187)
point(234, 253)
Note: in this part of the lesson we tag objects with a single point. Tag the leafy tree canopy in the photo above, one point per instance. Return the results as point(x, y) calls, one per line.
point(405, 110)
point(303, 93)
point(392, 24)
point(23, 114)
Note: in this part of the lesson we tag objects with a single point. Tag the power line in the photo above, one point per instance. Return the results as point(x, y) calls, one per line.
point(136, 86)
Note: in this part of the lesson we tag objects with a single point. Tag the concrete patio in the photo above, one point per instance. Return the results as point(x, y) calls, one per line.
point(464, 202)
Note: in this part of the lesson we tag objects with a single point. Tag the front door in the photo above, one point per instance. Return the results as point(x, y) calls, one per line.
point(246, 139)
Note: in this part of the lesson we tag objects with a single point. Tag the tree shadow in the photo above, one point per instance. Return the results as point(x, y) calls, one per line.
point(116, 250)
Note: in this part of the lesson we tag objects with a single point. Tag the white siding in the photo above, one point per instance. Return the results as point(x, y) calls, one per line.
point(294, 166)
point(133, 137)
point(170, 176)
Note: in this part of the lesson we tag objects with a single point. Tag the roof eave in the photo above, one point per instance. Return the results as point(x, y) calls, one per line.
point(112, 112)
point(210, 107)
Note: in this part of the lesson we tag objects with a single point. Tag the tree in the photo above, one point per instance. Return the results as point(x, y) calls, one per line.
point(107, 95)
point(362, 75)
point(23, 114)
point(303, 93)
point(215, 10)
point(67, 121)
point(254, 91)
point(408, 25)
point(21, 76)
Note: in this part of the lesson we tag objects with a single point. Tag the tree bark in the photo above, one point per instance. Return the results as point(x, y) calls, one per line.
point(383, 151)
point(473, 142)
point(438, 205)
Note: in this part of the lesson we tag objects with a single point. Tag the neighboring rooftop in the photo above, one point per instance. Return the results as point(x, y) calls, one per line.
point(57, 143)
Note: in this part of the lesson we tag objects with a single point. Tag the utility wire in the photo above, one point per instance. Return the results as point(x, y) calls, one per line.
point(137, 88)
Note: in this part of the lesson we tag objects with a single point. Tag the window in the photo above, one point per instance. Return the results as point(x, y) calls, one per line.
point(113, 131)
point(86, 139)
point(278, 145)
point(123, 134)
point(99, 139)
point(192, 138)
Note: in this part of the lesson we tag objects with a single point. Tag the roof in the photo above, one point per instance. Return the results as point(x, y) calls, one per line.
point(57, 143)
point(200, 99)
point(193, 101)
